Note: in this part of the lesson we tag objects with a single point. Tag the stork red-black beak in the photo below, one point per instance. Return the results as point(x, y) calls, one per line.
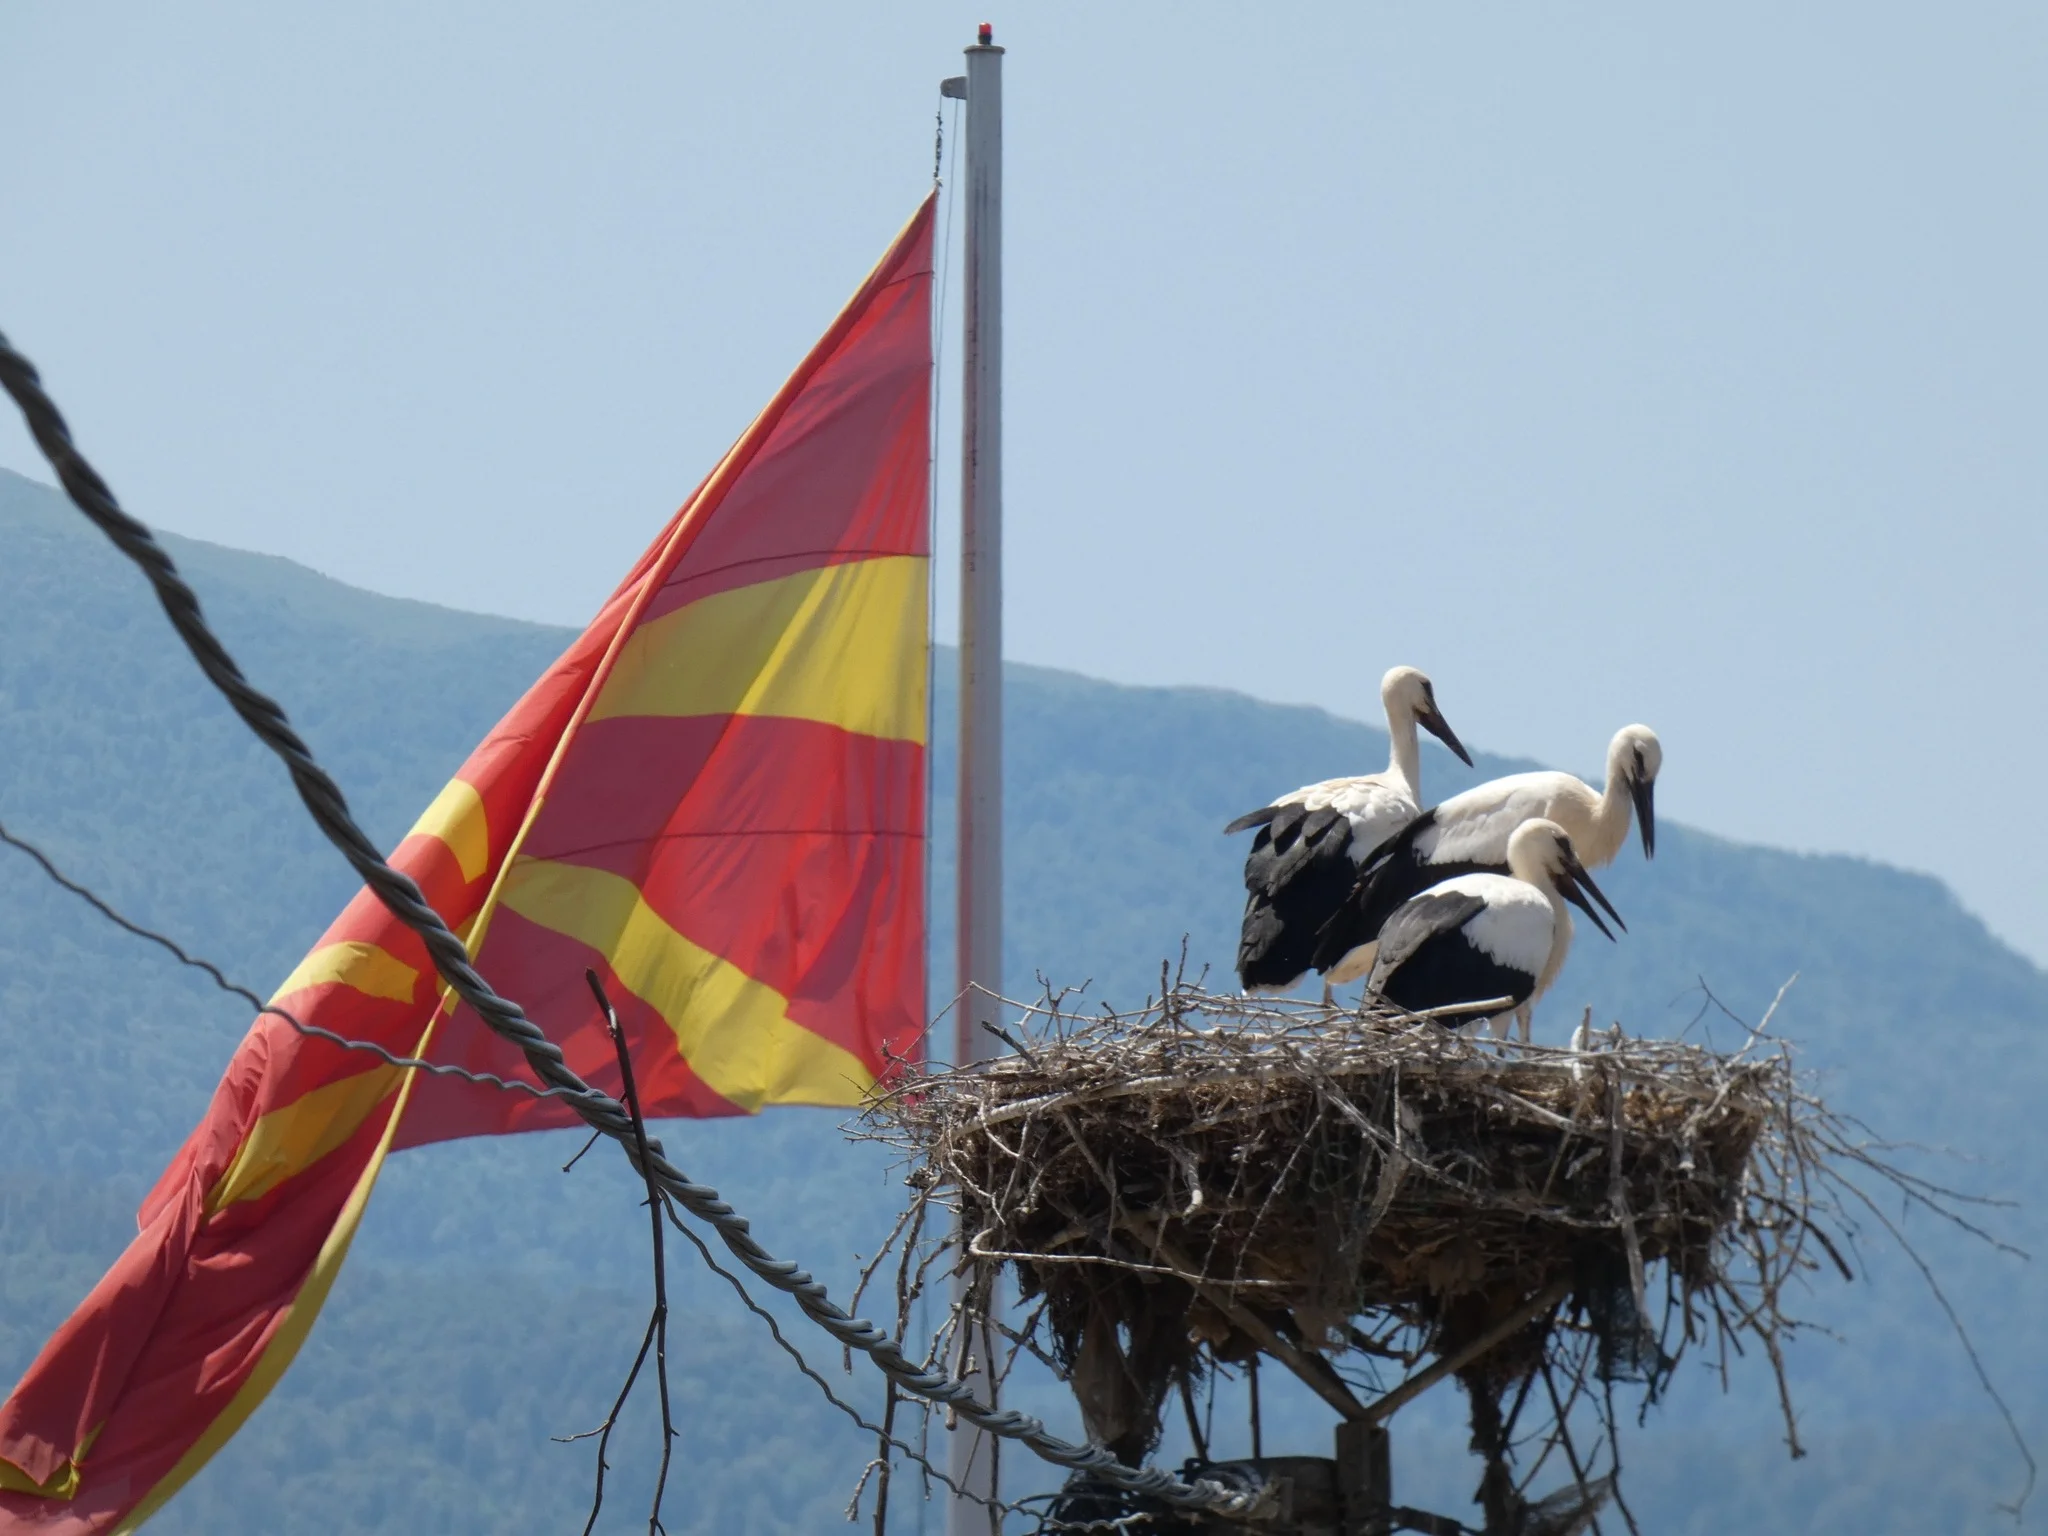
point(1431, 720)
point(1577, 885)
point(1644, 793)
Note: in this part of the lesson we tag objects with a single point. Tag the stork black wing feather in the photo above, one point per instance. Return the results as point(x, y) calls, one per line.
point(1295, 876)
point(1425, 960)
point(1421, 920)
point(1396, 884)
point(1393, 846)
point(1447, 971)
point(1317, 829)
point(1250, 819)
point(1281, 845)
point(1392, 874)
point(1286, 823)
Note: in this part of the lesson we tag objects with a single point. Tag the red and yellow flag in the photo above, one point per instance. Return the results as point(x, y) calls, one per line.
point(715, 797)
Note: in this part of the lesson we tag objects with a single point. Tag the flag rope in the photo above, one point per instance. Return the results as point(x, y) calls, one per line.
point(325, 803)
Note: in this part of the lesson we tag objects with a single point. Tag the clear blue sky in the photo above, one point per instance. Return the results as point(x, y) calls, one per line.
point(1684, 364)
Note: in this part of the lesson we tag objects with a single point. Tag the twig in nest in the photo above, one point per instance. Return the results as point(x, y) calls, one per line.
point(1009, 1039)
point(1357, 1167)
point(1406, 1392)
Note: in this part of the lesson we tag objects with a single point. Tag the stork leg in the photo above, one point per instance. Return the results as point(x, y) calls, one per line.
point(1329, 994)
point(1522, 1019)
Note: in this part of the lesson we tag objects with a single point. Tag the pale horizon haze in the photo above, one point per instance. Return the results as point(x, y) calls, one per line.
point(1678, 365)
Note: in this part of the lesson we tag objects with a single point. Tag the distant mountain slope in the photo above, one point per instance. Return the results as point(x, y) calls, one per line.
point(491, 1300)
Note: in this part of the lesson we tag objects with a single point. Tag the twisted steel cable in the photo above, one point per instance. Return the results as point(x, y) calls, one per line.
point(327, 806)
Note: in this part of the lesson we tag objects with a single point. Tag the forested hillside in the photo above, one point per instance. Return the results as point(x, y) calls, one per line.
point(493, 1302)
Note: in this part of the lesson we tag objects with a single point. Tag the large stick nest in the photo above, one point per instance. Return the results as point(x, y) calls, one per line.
point(1375, 1203)
point(1331, 1164)
point(1214, 1178)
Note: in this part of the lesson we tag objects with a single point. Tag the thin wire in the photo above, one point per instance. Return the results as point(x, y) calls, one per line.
point(236, 989)
point(809, 1371)
point(327, 806)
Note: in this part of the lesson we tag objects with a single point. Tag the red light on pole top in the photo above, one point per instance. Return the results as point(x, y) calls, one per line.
point(987, 34)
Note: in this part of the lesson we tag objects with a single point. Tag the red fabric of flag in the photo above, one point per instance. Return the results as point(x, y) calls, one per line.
point(715, 798)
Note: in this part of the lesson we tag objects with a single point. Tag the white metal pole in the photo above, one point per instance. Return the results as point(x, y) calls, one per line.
point(980, 891)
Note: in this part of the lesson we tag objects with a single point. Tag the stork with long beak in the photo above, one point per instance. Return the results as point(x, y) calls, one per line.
point(1477, 937)
point(1312, 842)
point(1469, 833)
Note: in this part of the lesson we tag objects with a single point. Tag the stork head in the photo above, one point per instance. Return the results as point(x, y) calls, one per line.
point(1633, 758)
point(1540, 853)
point(1408, 691)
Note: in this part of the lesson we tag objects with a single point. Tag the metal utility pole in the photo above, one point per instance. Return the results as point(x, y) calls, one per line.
point(980, 890)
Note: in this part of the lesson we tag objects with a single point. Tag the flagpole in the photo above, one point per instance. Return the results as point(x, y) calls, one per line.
point(972, 1454)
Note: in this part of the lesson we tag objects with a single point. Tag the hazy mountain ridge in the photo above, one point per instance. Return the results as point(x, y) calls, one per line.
point(122, 762)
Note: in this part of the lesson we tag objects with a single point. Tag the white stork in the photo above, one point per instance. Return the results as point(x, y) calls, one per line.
point(1312, 842)
point(1469, 833)
point(1476, 937)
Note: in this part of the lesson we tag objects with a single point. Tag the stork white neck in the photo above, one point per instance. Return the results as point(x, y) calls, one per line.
point(1528, 863)
point(1603, 836)
point(1409, 701)
point(1560, 940)
point(1404, 758)
point(1634, 754)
